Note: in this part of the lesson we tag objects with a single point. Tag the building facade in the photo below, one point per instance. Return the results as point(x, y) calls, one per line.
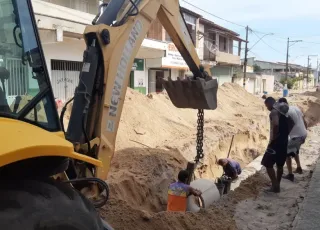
point(61, 24)
point(297, 73)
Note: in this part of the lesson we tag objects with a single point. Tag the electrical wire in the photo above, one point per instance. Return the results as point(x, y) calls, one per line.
point(279, 36)
point(234, 23)
point(268, 44)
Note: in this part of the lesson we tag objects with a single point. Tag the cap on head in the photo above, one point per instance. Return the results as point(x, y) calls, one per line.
point(282, 108)
point(283, 100)
point(183, 176)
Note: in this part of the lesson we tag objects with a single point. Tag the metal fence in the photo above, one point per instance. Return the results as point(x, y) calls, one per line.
point(64, 78)
point(18, 82)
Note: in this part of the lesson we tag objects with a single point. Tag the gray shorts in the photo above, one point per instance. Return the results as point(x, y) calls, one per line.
point(294, 145)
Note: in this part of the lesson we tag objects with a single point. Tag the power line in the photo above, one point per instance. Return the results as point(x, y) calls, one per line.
point(280, 36)
point(267, 44)
point(234, 23)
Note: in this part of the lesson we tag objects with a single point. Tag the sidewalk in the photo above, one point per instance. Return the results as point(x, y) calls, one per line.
point(308, 217)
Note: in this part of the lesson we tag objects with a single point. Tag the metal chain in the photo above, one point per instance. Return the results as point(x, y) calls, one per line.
point(200, 154)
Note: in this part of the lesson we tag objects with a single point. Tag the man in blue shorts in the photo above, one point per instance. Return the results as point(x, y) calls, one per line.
point(276, 153)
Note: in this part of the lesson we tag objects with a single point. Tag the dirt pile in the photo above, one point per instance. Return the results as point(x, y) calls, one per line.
point(156, 123)
point(309, 103)
point(155, 140)
point(219, 216)
point(140, 176)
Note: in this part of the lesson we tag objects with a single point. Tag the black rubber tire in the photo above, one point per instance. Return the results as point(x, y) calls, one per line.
point(45, 205)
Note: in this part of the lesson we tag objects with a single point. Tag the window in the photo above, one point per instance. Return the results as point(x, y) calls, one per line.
point(222, 44)
point(189, 19)
point(24, 83)
point(191, 25)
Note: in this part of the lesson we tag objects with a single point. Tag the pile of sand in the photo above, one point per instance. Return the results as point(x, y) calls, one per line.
point(155, 140)
point(309, 103)
point(220, 216)
point(156, 123)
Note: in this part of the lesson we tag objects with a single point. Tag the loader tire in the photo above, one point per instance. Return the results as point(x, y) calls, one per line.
point(45, 205)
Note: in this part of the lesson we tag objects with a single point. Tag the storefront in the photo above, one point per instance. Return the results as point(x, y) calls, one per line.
point(138, 76)
point(172, 65)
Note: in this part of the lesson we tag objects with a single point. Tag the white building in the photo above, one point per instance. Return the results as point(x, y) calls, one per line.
point(62, 22)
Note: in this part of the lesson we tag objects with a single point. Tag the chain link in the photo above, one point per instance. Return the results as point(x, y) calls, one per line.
point(200, 154)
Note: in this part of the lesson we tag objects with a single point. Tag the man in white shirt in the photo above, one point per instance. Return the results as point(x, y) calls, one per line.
point(297, 137)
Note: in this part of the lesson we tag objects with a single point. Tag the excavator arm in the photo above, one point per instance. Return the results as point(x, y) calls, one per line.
point(112, 44)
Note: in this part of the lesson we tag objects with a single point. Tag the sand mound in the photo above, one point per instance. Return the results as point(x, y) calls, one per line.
point(309, 103)
point(219, 216)
point(155, 140)
point(141, 176)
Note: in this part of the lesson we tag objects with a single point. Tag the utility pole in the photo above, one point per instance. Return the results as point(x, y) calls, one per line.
point(287, 61)
point(245, 58)
point(308, 69)
point(317, 80)
point(287, 58)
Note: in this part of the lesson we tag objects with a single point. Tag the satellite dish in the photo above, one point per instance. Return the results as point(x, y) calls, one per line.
point(211, 47)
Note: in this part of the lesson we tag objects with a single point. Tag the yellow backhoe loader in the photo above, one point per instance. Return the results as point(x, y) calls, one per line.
point(53, 178)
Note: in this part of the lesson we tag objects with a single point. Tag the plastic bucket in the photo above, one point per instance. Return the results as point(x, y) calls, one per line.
point(227, 186)
point(220, 188)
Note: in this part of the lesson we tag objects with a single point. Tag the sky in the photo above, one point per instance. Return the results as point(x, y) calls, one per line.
point(296, 19)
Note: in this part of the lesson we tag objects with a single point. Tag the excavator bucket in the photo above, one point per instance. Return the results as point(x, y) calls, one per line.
point(192, 93)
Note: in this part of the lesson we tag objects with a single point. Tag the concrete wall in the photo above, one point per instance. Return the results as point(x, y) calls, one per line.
point(269, 83)
point(223, 74)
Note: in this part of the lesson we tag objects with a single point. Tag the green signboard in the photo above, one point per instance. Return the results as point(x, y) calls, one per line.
point(138, 64)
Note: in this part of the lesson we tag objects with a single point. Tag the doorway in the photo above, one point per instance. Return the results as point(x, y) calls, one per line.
point(131, 80)
point(264, 85)
point(159, 77)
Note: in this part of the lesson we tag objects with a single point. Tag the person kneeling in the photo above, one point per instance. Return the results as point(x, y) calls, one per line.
point(178, 193)
point(231, 168)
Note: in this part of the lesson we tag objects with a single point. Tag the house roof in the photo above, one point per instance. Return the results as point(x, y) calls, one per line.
point(203, 20)
point(185, 10)
point(228, 32)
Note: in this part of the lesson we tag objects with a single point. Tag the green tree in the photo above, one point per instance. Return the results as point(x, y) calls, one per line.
point(257, 69)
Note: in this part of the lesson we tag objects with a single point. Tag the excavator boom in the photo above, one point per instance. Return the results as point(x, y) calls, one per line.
point(112, 44)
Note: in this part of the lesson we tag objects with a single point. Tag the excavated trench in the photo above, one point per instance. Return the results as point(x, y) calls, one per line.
point(142, 182)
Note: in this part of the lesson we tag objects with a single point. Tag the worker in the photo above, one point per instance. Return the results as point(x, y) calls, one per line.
point(297, 137)
point(276, 152)
point(231, 168)
point(178, 193)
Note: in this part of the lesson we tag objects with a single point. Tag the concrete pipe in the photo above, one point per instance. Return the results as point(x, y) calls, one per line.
point(210, 194)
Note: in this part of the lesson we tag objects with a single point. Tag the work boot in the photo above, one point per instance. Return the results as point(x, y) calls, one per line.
point(289, 177)
point(298, 170)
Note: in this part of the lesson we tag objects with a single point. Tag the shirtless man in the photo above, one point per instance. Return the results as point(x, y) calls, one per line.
point(276, 153)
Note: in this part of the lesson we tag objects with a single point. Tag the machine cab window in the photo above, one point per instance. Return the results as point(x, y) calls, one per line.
point(25, 92)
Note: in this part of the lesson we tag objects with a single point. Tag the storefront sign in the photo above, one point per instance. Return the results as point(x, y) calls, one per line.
point(173, 58)
point(138, 65)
